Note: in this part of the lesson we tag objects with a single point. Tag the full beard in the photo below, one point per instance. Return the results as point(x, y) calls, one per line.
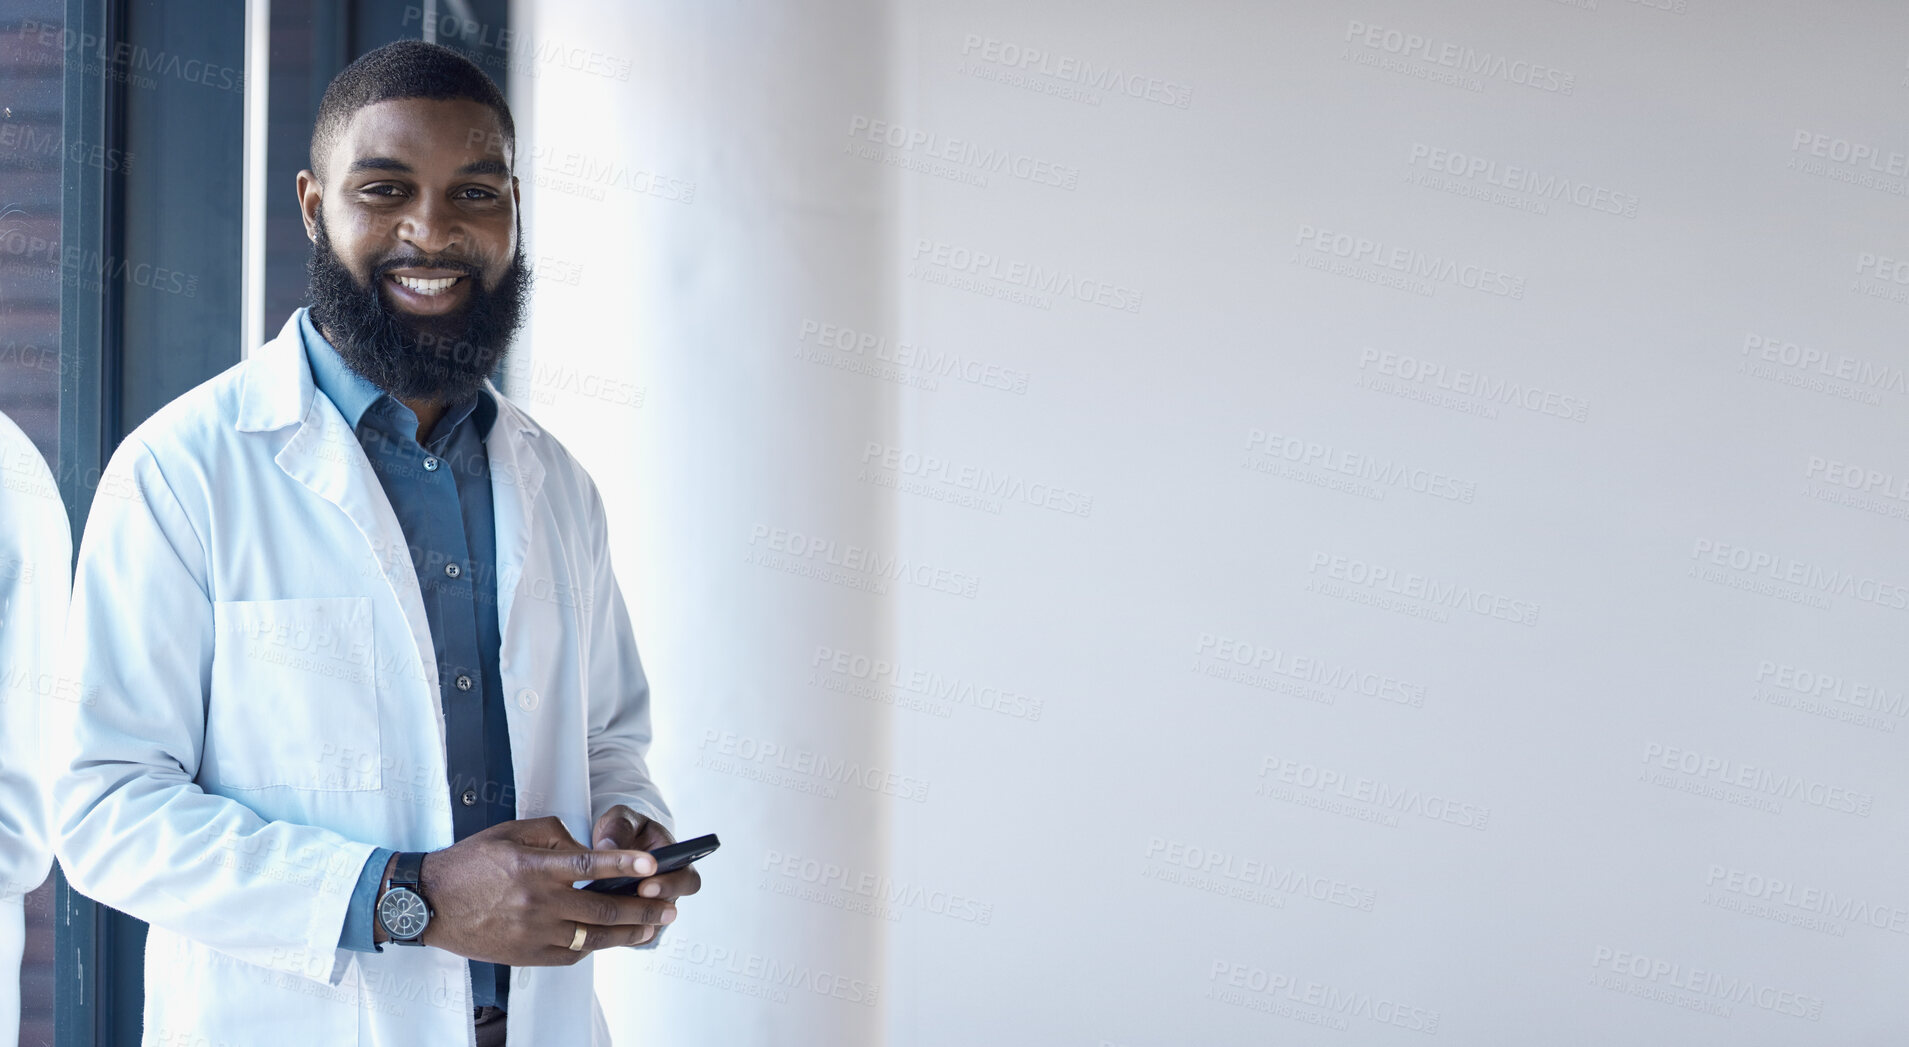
point(444, 358)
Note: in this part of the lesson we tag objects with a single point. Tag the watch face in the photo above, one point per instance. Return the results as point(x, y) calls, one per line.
point(403, 913)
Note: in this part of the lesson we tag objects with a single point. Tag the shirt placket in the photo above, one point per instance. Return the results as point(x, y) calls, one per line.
point(447, 565)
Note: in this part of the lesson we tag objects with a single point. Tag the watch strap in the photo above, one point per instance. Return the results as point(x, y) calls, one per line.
point(408, 870)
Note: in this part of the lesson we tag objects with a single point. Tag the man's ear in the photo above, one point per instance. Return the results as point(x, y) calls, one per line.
point(309, 195)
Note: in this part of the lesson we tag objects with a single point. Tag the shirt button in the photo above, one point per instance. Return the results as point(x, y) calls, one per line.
point(463, 683)
point(430, 465)
point(453, 570)
point(469, 797)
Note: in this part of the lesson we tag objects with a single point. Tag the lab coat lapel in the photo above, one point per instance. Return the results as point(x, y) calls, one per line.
point(517, 478)
point(325, 455)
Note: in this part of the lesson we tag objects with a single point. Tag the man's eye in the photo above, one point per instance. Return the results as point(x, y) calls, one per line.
point(380, 190)
point(474, 193)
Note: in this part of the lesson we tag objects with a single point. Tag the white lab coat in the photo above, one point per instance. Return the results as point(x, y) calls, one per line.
point(260, 707)
point(36, 556)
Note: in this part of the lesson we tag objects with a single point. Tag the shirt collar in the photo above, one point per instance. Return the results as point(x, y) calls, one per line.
point(355, 395)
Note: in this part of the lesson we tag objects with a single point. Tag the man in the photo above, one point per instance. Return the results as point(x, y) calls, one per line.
point(36, 554)
point(365, 679)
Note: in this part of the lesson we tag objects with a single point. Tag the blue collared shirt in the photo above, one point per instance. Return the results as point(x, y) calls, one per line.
point(441, 493)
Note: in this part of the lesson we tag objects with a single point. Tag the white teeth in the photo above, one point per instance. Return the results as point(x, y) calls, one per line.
point(426, 286)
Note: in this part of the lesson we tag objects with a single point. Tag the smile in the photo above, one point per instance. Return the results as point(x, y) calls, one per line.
point(426, 287)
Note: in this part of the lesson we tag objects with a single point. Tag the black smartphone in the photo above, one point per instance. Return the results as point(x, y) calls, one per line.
point(668, 859)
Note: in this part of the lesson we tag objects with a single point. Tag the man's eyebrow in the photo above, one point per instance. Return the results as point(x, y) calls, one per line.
point(388, 163)
point(379, 163)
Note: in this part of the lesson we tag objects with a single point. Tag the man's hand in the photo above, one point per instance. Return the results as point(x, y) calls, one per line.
point(623, 829)
point(504, 895)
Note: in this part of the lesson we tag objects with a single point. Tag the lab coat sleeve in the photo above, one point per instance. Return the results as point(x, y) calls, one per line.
point(619, 692)
point(36, 555)
point(135, 829)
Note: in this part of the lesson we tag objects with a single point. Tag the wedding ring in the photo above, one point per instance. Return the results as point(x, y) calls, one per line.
point(576, 944)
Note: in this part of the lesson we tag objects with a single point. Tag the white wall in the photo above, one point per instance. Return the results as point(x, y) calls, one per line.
point(1625, 575)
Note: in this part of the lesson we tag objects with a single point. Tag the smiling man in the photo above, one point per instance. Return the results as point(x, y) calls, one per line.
point(368, 700)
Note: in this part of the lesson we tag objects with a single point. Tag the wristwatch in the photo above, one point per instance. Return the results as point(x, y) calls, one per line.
point(402, 910)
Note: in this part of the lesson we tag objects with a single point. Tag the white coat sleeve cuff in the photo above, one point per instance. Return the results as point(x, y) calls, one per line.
point(648, 808)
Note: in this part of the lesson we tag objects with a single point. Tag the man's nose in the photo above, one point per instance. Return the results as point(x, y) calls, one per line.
point(431, 227)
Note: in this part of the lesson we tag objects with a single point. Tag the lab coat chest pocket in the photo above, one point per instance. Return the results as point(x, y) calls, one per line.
point(294, 695)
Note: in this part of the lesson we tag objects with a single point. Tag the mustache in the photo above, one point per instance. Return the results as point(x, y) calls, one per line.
point(419, 261)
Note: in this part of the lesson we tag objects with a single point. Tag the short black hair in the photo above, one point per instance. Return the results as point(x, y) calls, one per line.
point(405, 69)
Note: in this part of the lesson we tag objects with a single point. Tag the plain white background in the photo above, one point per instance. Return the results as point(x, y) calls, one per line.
point(1343, 523)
